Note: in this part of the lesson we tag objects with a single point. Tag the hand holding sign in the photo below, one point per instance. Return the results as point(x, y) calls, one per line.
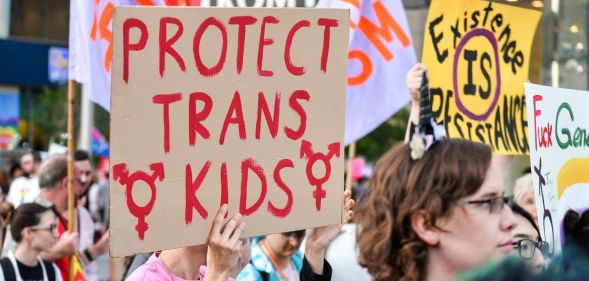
point(238, 107)
point(478, 55)
point(319, 238)
point(414, 78)
point(224, 245)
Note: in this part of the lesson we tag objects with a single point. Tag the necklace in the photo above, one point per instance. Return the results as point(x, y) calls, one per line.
point(273, 260)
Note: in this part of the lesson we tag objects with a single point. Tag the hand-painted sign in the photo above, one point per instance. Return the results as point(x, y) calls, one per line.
point(559, 155)
point(213, 106)
point(478, 54)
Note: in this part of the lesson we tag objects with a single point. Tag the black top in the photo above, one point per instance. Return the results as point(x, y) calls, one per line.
point(28, 273)
point(307, 273)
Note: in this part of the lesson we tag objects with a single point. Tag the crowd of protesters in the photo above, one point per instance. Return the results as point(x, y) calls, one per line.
point(34, 212)
point(438, 211)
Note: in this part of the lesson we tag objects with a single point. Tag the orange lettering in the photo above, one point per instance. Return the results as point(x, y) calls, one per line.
point(374, 33)
point(106, 34)
point(93, 29)
point(366, 67)
point(102, 27)
point(145, 3)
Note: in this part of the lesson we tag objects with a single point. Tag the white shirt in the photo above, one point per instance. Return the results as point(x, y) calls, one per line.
point(23, 190)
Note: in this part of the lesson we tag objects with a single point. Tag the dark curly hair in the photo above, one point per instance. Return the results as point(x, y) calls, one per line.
point(400, 187)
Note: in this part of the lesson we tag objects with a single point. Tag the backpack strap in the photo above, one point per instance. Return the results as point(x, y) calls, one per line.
point(7, 269)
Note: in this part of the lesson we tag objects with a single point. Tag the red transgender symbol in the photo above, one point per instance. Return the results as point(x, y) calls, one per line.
point(121, 174)
point(312, 157)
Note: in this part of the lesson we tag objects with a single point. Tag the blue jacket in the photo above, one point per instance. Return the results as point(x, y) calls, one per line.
point(260, 262)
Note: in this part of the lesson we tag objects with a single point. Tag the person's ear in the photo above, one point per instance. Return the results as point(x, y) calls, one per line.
point(64, 183)
point(423, 226)
point(26, 233)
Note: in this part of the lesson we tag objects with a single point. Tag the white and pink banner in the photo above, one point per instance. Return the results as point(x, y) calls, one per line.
point(90, 43)
point(559, 156)
point(380, 55)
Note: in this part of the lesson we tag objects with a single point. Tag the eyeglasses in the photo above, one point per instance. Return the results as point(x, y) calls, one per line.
point(527, 248)
point(51, 228)
point(298, 235)
point(495, 204)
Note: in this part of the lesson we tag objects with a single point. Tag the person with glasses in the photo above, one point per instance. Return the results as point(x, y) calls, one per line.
point(431, 218)
point(527, 242)
point(34, 228)
point(275, 257)
point(436, 206)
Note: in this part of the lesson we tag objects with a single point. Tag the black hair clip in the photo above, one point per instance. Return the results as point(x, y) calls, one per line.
point(427, 132)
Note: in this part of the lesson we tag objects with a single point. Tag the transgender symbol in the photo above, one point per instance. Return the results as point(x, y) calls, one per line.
point(312, 157)
point(121, 174)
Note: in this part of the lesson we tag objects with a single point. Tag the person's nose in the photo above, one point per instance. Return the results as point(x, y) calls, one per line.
point(508, 220)
point(538, 262)
point(294, 241)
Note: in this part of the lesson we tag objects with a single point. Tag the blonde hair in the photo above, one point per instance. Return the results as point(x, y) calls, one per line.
point(522, 186)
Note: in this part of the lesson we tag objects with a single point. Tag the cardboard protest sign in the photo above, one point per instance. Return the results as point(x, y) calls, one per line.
point(237, 106)
point(559, 155)
point(478, 54)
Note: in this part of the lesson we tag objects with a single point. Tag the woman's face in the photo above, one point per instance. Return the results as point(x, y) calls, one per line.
point(43, 236)
point(525, 231)
point(282, 245)
point(475, 233)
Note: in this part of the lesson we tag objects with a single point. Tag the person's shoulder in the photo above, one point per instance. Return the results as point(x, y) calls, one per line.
point(151, 270)
point(297, 259)
point(19, 181)
point(259, 261)
point(249, 273)
point(85, 216)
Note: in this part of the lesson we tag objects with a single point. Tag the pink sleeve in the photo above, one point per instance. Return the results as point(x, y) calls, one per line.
point(152, 270)
point(203, 270)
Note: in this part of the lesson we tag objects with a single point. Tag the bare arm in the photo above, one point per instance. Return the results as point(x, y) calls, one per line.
point(319, 238)
point(224, 246)
point(414, 78)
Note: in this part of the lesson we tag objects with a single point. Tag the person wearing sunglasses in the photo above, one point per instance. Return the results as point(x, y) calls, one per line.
point(34, 228)
point(527, 242)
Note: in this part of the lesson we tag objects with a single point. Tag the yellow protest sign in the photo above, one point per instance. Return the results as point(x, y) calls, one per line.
point(478, 55)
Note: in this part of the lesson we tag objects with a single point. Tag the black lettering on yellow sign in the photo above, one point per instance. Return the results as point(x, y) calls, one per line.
point(506, 131)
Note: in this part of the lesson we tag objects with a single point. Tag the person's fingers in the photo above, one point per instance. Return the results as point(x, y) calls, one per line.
point(230, 226)
point(349, 215)
point(235, 239)
point(347, 195)
point(218, 221)
point(350, 204)
point(416, 67)
point(415, 80)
